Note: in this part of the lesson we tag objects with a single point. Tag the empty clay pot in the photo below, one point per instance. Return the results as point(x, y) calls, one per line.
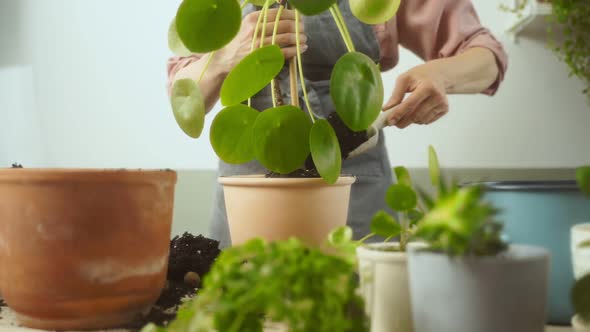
point(83, 249)
point(280, 208)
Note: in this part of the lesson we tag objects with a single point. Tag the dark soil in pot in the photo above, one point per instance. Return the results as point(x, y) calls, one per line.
point(348, 139)
point(300, 173)
point(191, 257)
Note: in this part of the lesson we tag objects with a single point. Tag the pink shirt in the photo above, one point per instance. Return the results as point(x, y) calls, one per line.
point(431, 29)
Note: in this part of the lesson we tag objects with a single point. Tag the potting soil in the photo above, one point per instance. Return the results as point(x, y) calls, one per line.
point(188, 254)
point(348, 139)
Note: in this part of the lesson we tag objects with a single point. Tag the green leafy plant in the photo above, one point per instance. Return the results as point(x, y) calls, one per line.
point(283, 137)
point(459, 221)
point(282, 282)
point(410, 205)
point(572, 17)
point(403, 199)
point(580, 293)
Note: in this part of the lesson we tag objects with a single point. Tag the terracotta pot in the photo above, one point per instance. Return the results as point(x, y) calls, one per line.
point(280, 208)
point(83, 249)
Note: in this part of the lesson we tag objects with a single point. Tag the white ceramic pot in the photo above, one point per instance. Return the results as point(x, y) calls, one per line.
point(579, 325)
point(385, 287)
point(580, 256)
point(277, 209)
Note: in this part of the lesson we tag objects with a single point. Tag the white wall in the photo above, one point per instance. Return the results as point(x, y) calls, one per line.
point(82, 84)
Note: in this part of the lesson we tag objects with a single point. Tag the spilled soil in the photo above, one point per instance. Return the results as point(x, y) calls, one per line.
point(17, 165)
point(190, 259)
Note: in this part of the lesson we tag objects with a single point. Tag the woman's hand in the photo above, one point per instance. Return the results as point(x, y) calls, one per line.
point(472, 71)
point(428, 99)
point(241, 45)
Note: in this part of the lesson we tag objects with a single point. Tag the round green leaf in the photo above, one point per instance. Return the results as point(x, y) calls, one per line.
point(583, 177)
point(208, 25)
point(385, 225)
point(374, 11)
point(188, 107)
point(401, 198)
point(252, 74)
point(356, 88)
point(325, 150)
point(312, 7)
point(281, 138)
point(232, 134)
point(174, 42)
point(340, 235)
point(581, 297)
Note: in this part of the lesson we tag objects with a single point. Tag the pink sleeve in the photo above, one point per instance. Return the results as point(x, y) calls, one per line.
point(177, 63)
point(435, 29)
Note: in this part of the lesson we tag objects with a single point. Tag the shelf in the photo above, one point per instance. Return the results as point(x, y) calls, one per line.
point(533, 11)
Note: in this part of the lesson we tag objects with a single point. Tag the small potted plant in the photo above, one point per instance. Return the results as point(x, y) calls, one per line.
point(83, 249)
point(285, 284)
point(469, 279)
point(283, 137)
point(382, 265)
point(580, 242)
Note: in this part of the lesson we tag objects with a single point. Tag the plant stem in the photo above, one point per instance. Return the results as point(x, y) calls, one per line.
point(341, 24)
point(368, 236)
point(293, 82)
point(301, 77)
point(206, 66)
point(254, 36)
point(274, 36)
point(244, 4)
point(265, 19)
point(403, 239)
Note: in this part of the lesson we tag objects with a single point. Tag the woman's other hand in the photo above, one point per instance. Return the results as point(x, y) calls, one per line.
point(241, 45)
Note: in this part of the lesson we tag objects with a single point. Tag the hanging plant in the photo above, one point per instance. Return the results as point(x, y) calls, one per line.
point(573, 48)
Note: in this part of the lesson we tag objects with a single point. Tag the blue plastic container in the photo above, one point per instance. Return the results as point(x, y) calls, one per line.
point(542, 213)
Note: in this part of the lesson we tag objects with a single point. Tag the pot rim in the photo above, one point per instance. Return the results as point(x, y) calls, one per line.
point(11, 175)
point(559, 185)
point(515, 253)
point(367, 252)
point(260, 180)
point(579, 324)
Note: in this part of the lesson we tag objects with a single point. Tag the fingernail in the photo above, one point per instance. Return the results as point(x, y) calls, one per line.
point(304, 47)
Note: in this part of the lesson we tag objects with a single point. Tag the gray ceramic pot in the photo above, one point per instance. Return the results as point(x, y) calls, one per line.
point(506, 293)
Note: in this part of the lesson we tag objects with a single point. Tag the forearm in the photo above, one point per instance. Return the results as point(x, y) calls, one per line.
point(211, 82)
point(472, 71)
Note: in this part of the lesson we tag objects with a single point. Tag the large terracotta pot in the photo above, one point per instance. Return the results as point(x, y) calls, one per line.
point(83, 249)
point(279, 208)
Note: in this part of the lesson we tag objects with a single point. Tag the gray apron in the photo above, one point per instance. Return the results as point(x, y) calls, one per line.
point(372, 169)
